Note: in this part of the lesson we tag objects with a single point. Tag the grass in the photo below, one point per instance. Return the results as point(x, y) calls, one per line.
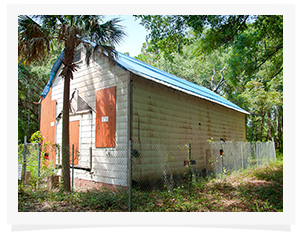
point(252, 190)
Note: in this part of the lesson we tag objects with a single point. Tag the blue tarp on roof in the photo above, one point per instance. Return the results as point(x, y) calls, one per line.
point(53, 72)
point(142, 69)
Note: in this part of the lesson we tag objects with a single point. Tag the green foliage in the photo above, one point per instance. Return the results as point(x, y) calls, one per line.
point(31, 82)
point(32, 161)
point(36, 137)
point(238, 57)
point(264, 105)
point(250, 190)
point(32, 158)
point(34, 42)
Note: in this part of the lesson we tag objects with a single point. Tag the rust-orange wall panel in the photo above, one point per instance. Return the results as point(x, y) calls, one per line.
point(74, 139)
point(105, 117)
point(47, 123)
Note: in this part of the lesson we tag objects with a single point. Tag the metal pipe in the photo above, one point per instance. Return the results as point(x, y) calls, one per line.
point(190, 166)
point(39, 164)
point(24, 161)
point(130, 176)
point(91, 158)
point(72, 167)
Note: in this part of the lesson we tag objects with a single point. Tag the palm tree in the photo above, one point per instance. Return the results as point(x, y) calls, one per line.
point(35, 41)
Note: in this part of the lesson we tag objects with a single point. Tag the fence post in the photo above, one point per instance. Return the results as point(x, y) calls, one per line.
point(221, 158)
point(190, 166)
point(242, 153)
point(39, 164)
point(130, 176)
point(24, 161)
point(72, 166)
point(256, 145)
point(274, 150)
point(91, 158)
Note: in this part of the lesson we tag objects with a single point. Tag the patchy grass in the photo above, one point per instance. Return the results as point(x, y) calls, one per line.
point(250, 190)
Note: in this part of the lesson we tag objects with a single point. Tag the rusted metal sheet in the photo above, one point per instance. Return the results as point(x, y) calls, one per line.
point(47, 124)
point(74, 140)
point(105, 117)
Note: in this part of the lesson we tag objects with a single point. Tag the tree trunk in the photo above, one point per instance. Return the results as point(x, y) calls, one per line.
point(70, 39)
point(65, 137)
point(261, 127)
point(280, 128)
point(67, 74)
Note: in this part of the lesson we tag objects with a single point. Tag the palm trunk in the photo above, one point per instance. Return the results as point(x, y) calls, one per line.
point(67, 74)
point(65, 137)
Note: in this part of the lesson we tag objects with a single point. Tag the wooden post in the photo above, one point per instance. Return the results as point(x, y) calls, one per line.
point(52, 182)
point(27, 177)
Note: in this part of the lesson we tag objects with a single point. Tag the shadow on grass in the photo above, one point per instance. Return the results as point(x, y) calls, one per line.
point(248, 191)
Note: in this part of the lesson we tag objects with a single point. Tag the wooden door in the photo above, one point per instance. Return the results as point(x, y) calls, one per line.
point(105, 117)
point(74, 139)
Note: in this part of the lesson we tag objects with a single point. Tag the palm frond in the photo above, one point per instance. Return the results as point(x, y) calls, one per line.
point(107, 51)
point(33, 41)
point(100, 51)
point(109, 33)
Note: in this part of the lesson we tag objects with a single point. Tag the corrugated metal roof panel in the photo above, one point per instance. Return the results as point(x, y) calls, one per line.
point(149, 72)
point(142, 69)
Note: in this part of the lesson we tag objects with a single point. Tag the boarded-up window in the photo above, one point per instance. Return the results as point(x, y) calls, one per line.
point(74, 140)
point(47, 124)
point(105, 117)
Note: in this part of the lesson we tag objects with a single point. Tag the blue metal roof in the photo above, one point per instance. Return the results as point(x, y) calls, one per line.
point(149, 72)
point(142, 69)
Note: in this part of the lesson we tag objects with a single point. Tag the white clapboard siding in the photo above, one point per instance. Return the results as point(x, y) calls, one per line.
point(109, 165)
point(170, 118)
point(163, 121)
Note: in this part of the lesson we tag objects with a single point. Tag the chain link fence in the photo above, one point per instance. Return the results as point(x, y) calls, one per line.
point(33, 169)
point(128, 168)
point(29, 163)
point(225, 157)
point(159, 166)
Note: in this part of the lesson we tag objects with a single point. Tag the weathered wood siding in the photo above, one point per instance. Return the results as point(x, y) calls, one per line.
point(168, 120)
point(109, 165)
point(163, 121)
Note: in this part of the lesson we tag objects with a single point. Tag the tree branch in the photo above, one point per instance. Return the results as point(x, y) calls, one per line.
point(270, 55)
point(212, 82)
point(277, 73)
point(222, 81)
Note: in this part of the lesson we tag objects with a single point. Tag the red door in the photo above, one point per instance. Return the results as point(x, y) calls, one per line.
point(74, 140)
point(105, 117)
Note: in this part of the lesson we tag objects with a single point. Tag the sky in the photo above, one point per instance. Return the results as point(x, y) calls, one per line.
point(136, 35)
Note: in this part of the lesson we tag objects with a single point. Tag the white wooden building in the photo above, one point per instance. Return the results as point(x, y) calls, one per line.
point(113, 104)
